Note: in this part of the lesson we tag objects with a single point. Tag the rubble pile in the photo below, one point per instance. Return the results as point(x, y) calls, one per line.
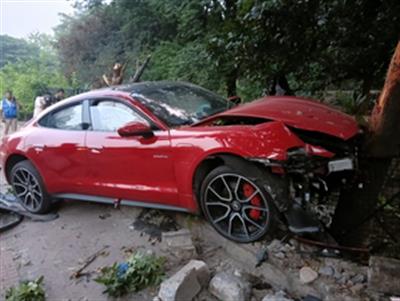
point(290, 271)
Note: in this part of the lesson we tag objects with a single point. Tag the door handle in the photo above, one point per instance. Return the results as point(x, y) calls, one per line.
point(96, 150)
point(38, 146)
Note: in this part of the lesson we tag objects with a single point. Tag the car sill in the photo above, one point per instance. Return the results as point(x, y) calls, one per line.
point(105, 200)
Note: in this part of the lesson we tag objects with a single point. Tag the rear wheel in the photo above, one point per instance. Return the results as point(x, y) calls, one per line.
point(29, 188)
point(236, 204)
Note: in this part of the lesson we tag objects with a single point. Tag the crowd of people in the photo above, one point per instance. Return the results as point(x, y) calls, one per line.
point(10, 108)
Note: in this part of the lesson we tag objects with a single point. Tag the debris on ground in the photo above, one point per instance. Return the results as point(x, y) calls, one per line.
point(137, 273)
point(179, 244)
point(79, 272)
point(104, 215)
point(261, 256)
point(154, 222)
point(8, 202)
point(384, 275)
point(278, 296)
point(186, 283)
point(27, 291)
point(229, 287)
point(9, 219)
point(307, 275)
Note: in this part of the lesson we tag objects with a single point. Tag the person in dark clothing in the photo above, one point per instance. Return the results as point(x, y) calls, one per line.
point(60, 95)
point(280, 86)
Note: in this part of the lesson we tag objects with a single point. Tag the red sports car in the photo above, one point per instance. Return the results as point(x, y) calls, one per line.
point(177, 146)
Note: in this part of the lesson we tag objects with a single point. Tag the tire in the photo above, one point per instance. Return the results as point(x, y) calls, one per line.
point(225, 196)
point(29, 188)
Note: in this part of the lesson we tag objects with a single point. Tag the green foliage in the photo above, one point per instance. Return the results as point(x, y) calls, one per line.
point(30, 78)
point(139, 272)
point(235, 46)
point(34, 75)
point(27, 291)
point(13, 50)
point(353, 104)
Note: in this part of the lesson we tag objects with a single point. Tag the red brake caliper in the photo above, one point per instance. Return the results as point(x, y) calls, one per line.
point(248, 190)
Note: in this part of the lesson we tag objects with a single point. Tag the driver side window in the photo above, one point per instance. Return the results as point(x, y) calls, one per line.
point(110, 115)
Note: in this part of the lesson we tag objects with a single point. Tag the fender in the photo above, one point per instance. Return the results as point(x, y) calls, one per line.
point(270, 140)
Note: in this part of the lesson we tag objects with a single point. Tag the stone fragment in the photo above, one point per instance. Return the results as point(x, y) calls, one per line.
point(355, 289)
point(186, 283)
point(384, 275)
point(227, 287)
point(307, 275)
point(278, 296)
point(280, 255)
point(180, 244)
point(359, 278)
point(326, 271)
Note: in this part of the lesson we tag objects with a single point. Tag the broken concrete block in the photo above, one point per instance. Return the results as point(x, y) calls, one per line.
point(383, 275)
point(180, 244)
point(227, 287)
point(307, 275)
point(186, 283)
point(202, 271)
point(181, 286)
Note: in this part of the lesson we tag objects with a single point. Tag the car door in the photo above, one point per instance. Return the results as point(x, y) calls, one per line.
point(128, 168)
point(57, 148)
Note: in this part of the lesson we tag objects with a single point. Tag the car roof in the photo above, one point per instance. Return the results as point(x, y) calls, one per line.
point(138, 87)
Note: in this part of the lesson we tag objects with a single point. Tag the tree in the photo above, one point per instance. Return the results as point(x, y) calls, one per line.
point(244, 45)
point(31, 72)
point(355, 205)
point(13, 49)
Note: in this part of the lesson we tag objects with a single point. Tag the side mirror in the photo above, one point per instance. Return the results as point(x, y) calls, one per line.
point(136, 128)
point(236, 100)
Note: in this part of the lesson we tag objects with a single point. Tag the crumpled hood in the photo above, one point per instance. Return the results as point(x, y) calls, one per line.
point(299, 113)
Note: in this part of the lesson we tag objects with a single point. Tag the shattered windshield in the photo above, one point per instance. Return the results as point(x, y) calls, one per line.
point(179, 104)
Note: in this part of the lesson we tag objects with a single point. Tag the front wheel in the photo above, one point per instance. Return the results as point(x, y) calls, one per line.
point(29, 188)
point(235, 204)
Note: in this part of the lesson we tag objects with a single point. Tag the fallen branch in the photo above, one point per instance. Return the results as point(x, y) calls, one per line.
point(78, 273)
point(139, 71)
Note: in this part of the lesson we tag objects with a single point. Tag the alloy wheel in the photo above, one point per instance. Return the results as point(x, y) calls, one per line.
point(236, 207)
point(27, 189)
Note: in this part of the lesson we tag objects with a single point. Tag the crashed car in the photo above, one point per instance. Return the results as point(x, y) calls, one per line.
point(177, 146)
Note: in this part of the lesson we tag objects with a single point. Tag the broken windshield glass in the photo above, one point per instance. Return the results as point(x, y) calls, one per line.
point(180, 104)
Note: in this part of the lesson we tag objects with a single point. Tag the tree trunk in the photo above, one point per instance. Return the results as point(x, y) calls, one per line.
point(355, 204)
point(385, 122)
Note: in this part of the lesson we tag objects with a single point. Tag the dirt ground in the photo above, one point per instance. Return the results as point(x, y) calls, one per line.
point(56, 249)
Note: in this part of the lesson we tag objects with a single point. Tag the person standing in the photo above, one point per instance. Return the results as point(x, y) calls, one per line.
point(60, 95)
point(45, 101)
point(9, 113)
point(39, 105)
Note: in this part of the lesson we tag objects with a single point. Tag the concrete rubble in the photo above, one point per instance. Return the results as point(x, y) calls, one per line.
point(186, 283)
point(229, 287)
point(384, 275)
point(179, 244)
point(307, 275)
point(293, 270)
point(278, 296)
